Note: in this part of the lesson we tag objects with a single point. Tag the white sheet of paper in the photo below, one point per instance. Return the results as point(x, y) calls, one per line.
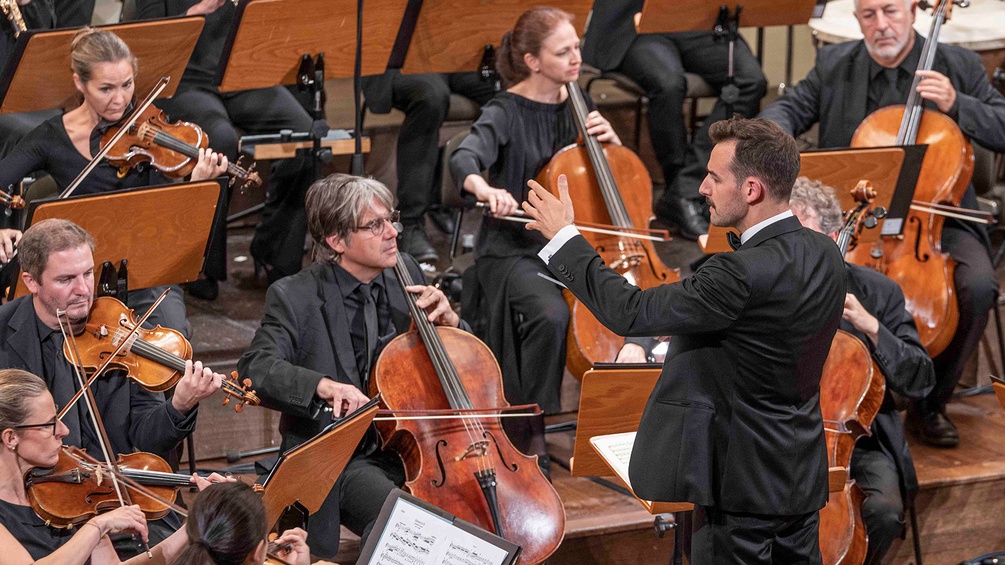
point(616, 449)
point(415, 536)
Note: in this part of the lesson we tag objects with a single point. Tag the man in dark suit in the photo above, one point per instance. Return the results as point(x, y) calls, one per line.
point(875, 313)
point(733, 424)
point(850, 81)
point(657, 62)
point(58, 269)
point(316, 344)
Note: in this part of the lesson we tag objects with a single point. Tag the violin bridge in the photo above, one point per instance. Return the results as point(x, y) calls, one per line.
point(476, 449)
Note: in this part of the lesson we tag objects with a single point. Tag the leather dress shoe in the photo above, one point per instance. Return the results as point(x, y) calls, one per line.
point(443, 218)
point(932, 427)
point(413, 241)
point(204, 288)
point(687, 215)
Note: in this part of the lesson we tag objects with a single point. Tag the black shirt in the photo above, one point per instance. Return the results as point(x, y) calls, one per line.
point(26, 527)
point(202, 67)
point(48, 147)
point(881, 94)
point(354, 310)
point(514, 139)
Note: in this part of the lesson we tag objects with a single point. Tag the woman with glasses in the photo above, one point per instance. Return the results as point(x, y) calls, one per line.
point(31, 436)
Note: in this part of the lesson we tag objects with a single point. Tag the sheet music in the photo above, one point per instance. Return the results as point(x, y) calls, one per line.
point(616, 449)
point(414, 536)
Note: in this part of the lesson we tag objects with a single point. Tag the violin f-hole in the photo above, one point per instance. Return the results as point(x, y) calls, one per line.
point(917, 241)
point(512, 467)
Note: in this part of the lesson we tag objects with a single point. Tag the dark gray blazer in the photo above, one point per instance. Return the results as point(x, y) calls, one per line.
point(834, 94)
point(135, 418)
point(734, 420)
point(304, 337)
point(610, 32)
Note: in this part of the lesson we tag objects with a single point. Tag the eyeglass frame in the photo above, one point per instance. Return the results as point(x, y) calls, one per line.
point(376, 226)
point(53, 424)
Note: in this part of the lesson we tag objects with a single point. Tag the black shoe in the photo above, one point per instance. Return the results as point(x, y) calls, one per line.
point(932, 427)
point(413, 241)
point(205, 288)
point(443, 218)
point(687, 215)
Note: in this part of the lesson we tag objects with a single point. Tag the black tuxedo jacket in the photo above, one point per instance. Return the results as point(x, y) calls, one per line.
point(734, 420)
point(835, 93)
point(135, 418)
point(304, 337)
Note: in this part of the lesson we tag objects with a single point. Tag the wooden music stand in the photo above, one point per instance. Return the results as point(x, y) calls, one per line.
point(270, 36)
point(842, 169)
point(611, 401)
point(998, 384)
point(162, 231)
point(450, 36)
point(668, 16)
point(38, 75)
point(307, 473)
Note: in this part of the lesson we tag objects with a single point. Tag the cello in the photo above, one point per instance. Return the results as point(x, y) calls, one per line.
point(915, 259)
point(610, 185)
point(852, 389)
point(466, 466)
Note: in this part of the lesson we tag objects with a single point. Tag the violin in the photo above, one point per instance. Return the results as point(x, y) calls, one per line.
point(74, 491)
point(915, 259)
point(467, 466)
point(170, 147)
point(153, 358)
point(610, 185)
point(851, 393)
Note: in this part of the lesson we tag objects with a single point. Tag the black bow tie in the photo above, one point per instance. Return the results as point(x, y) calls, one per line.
point(733, 240)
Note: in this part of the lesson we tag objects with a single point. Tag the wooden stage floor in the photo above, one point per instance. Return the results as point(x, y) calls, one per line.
point(962, 491)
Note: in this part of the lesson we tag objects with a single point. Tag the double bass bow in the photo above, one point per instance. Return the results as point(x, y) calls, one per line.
point(467, 466)
point(610, 185)
point(915, 259)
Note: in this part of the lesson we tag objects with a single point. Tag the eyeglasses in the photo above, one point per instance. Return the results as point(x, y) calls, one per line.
point(376, 227)
point(51, 424)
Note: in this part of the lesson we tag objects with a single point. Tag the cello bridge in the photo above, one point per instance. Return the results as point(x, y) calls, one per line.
point(476, 449)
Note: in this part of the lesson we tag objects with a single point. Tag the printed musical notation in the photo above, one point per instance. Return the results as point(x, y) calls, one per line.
point(415, 536)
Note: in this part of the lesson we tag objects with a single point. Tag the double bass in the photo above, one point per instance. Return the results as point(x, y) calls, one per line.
point(610, 185)
point(464, 465)
point(915, 259)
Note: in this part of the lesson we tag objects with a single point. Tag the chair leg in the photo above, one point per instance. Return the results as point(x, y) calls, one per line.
point(914, 534)
point(190, 446)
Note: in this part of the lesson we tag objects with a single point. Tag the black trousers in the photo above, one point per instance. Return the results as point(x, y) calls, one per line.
point(279, 239)
point(976, 293)
point(425, 100)
point(721, 537)
point(875, 472)
point(74, 13)
point(658, 62)
point(355, 501)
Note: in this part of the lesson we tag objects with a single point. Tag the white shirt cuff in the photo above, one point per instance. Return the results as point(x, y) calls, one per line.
point(557, 242)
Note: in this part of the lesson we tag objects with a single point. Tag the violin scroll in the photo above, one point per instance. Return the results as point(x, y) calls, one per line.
point(235, 387)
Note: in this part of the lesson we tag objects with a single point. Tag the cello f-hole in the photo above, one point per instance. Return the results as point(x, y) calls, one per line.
point(439, 463)
point(512, 467)
point(917, 241)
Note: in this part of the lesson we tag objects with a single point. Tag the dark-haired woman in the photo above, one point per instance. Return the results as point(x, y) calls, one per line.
point(227, 527)
point(31, 437)
point(517, 134)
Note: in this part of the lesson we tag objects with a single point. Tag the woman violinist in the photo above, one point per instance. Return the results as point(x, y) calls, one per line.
point(32, 437)
point(103, 71)
point(515, 137)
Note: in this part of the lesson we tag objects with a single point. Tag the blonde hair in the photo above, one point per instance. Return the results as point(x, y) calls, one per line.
point(91, 46)
point(17, 389)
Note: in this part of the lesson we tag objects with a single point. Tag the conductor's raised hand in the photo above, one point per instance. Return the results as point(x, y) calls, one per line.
point(550, 214)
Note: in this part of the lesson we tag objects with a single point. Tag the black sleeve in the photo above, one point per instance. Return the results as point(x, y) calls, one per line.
point(31, 154)
point(39, 14)
point(799, 108)
point(480, 149)
point(152, 9)
point(155, 425)
point(899, 352)
point(980, 108)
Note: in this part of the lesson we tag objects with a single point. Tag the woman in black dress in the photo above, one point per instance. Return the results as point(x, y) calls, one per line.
point(517, 134)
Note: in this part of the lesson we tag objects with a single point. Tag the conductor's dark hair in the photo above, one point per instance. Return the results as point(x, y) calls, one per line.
point(225, 525)
point(763, 151)
point(527, 36)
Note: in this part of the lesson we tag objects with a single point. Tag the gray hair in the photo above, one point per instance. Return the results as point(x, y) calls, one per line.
point(17, 389)
point(817, 196)
point(47, 237)
point(907, 4)
point(335, 206)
